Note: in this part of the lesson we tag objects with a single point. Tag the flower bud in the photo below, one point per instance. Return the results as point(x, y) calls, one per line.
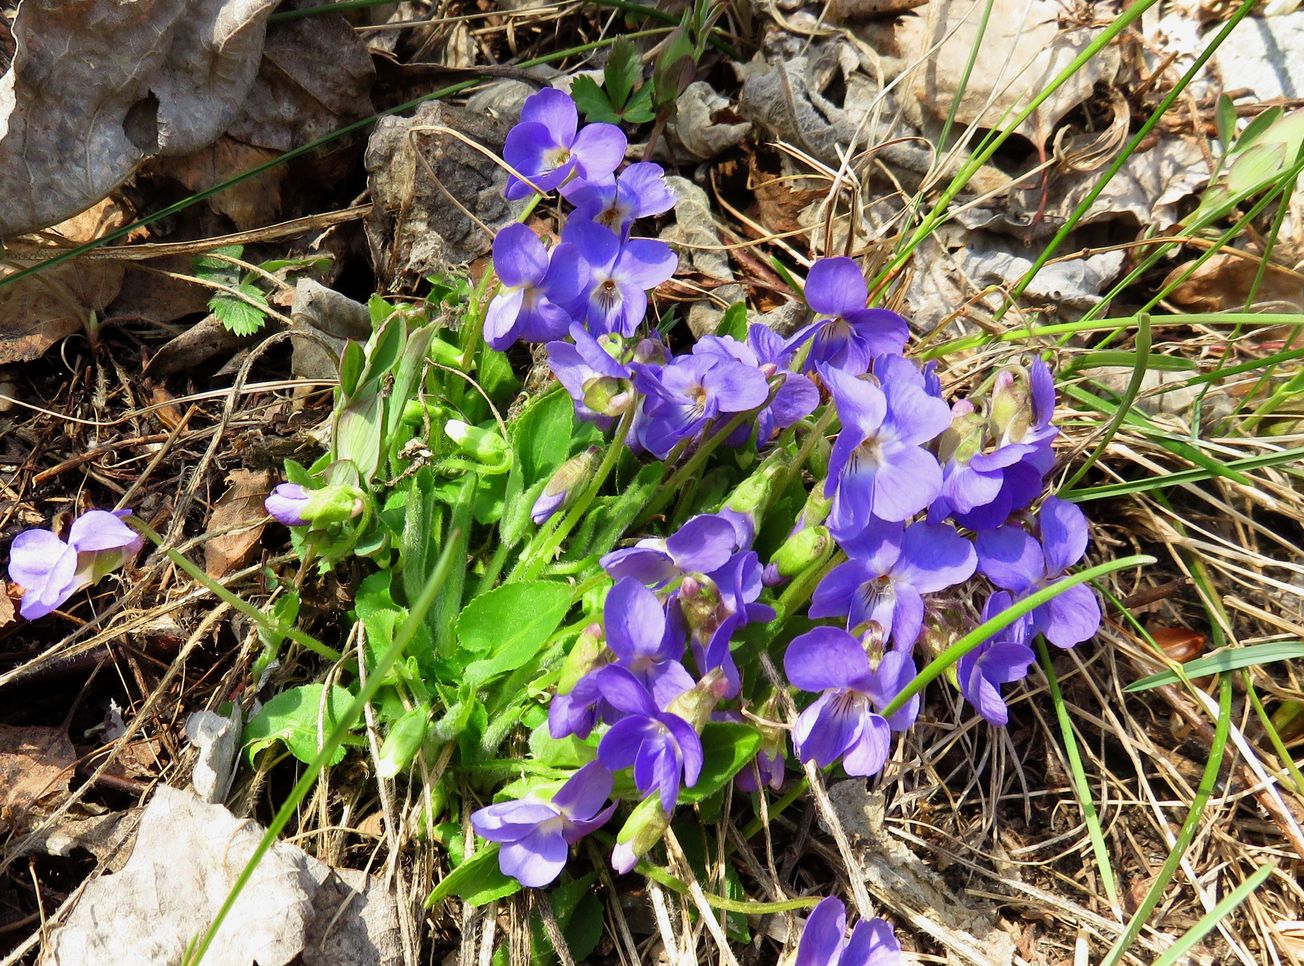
point(403, 742)
point(963, 439)
point(483, 445)
point(565, 485)
point(416, 412)
point(752, 495)
point(1011, 406)
point(702, 605)
point(607, 396)
point(644, 828)
point(297, 506)
point(588, 653)
point(809, 547)
point(696, 704)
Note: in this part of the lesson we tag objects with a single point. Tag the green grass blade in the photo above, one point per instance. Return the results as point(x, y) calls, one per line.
point(937, 667)
point(375, 681)
point(1124, 403)
point(1080, 784)
point(1176, 953)
point(1205, 789)
point(1230, 659)
point(1181, 478)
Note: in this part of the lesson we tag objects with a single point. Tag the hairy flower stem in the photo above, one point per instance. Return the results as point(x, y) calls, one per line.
point(546, 541)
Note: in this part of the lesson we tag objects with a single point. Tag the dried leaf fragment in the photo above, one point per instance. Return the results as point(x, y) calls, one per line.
point(238, 520)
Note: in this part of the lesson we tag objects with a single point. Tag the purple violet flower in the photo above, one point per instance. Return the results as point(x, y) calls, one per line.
point(796, 397)
point(703, 544)
point(50, 570)
point(286, 503)
point(643, 641)
point(846, 335)
point(529, 305)
point(613, 298)
point(547, 148)
point(599, 385)
point(824, 940)
point(891, 567)
point(1013, 560)
point(536, 834)
point(1000, 659)
point(637, 192)
point(714, 606)
point(842, 722)
point(662, 747)
point(878, 466)
point(688, 392)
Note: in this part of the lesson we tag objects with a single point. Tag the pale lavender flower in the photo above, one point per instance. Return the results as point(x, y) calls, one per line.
point(891, 567)
point(878, 466)
point(662, 747)
point(843, 722)
point(1001, 659)
point(846, 335)
point(613, 297)
point(703, 544)
point(686, 394)
point(548, 147)
point(536, 834)
point(286, 503)
point(637, 192)
point(1015, 561)
point(50, 570)
point(824, 940)
point(598, 384)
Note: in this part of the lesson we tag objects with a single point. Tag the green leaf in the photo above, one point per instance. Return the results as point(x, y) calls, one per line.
point(296, 717)
point(639, 109)
point(542, 435)
point(510, 624)
point(477, 880)
point(624, 72)
point(592, 100)
point(726, 750)
point(734, 322)
point(358, 431)
point(351, 362)
point(1228, 659)
point(1226, 121)
point(237, 315)
point(214, 269)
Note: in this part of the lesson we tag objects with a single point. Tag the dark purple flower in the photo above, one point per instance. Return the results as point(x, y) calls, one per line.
point(704, 543)
point(1013, 560)
point(824, 941)
point(638, 191)
point(662, 747)
point(613, 297)
point(842, 723)
point(536, 835)
point(891, 567)
point(846, 335)
point(687, 393)
point(50, 570)
point(529, 305)
point(796, 396)
point(599, 385)
point(878, 467)
point(1000, 659)
point(546, 147)
point(286, 503)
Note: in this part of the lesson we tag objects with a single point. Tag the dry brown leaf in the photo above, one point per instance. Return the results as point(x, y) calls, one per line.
point(241, 504)
point(1018, 58)
point(251, 203)
point(40, 310)
point(7, 611)
point(34, 763)
point(186, 858)
point(112, 84)
point(1223, 283)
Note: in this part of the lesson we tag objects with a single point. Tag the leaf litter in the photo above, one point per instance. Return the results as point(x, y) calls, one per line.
point(972, 867)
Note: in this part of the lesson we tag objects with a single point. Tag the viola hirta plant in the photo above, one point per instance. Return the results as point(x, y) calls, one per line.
point(642, 533)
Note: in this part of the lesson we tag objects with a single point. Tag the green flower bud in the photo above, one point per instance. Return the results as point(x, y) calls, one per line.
point(607, 396)
point(483, 445)
point(644, 828)
point(752, 495)
point(588, 653)
point(403, 742)
point(415, 412)
point(808, 547)
point(696, 704)
point(1011, 406)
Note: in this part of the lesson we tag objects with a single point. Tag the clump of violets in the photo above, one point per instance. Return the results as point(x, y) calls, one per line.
point(50, 569)
point(909, 508)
